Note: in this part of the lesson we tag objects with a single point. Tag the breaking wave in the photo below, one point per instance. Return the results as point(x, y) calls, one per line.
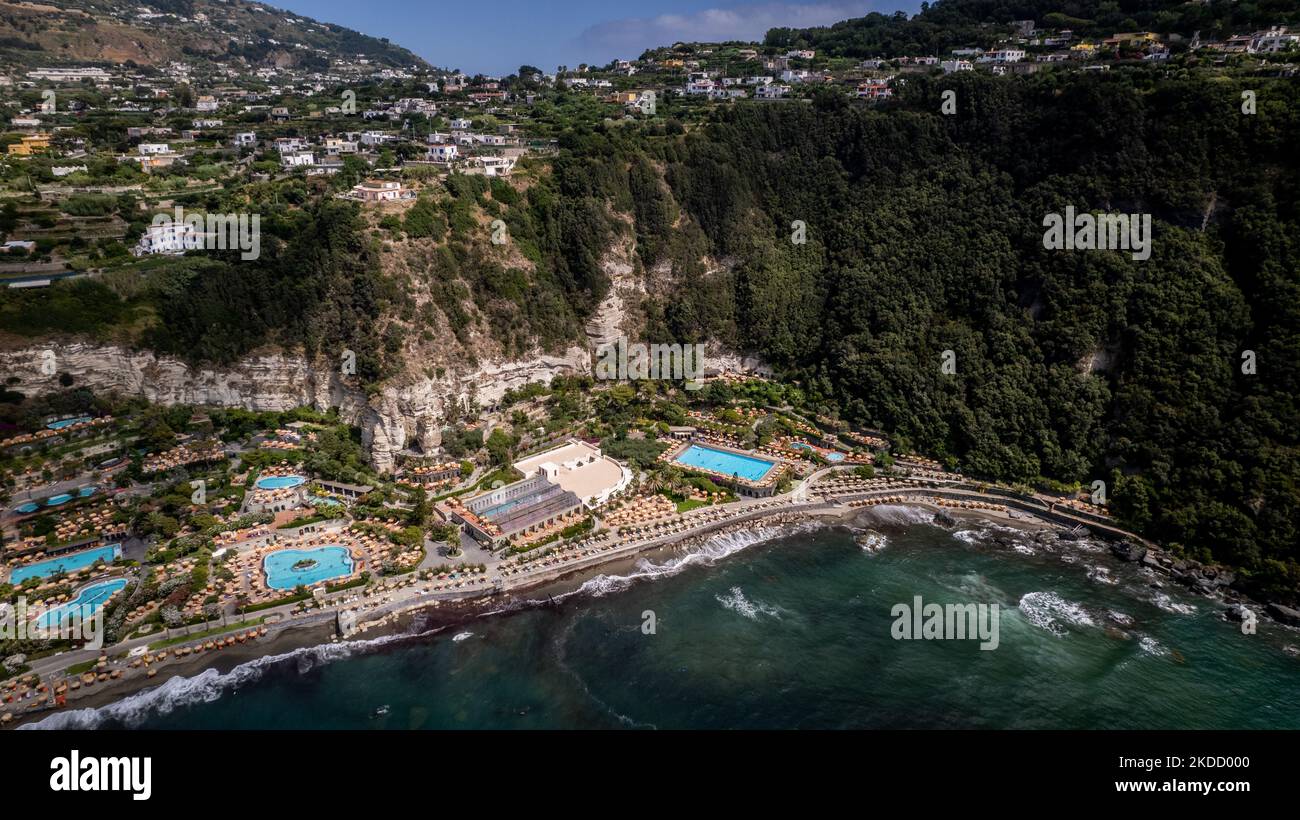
point(205, 687)
point(707, 553)
point(736, 601)
point(1049, 611)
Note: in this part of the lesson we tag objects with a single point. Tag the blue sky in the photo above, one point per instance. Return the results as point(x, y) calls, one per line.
point(497, 36)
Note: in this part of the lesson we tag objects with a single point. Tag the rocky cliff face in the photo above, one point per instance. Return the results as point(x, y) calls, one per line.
point(408, 411)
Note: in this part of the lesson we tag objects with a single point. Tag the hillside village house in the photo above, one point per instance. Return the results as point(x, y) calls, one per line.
point(297, 159)
point(29, 145)
point(245, 139)
point(341, 145)
point(771, 92)
point(443, 152)
point(380, 190)
point(492, 166)
point(169, 238)
point(875, 89)
point(207, 103)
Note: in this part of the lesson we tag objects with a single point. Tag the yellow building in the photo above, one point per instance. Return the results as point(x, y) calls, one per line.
point(30, 145)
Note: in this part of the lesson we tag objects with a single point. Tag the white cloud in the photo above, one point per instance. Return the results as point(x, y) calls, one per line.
point(630, 36)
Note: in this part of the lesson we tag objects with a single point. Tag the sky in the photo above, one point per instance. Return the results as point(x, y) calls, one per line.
point(497, 36)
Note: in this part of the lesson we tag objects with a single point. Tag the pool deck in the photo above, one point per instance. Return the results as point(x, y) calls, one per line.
point(764, 486)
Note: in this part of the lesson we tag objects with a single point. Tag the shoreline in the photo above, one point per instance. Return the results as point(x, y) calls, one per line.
point(413, 619)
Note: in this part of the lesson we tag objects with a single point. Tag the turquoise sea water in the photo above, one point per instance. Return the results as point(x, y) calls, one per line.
point(66, 563)
point(721, 461)
point(785, 628)
point(326, 563)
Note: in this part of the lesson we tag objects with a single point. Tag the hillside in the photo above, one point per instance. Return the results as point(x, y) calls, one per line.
point(156, 32)
point(952, 23)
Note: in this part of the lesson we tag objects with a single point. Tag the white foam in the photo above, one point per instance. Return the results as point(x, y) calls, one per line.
point(709, 552)
point(871, 541)
point(205, 687)
point(1168, 604)
point(736, 601)
point(901, 514)
point(1120, 618)
point(462, 636)
point(1151, 646)
point(1049, 611)
point(1102, 576)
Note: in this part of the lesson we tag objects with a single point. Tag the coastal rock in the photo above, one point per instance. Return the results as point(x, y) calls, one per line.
point(1284, 614)
point(1128, 551)
point(14, 662)
point(1238, 612)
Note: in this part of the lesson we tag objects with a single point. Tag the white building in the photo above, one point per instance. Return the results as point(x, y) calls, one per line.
point(771, 92)
point(169, 238)
point(153, 148)
point(951, 66)
point(1003, 55)
point(443, 152)
point(1276, 38)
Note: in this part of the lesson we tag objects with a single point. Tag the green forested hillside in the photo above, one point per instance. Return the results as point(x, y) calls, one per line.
point(925, 234)
point(951, 23)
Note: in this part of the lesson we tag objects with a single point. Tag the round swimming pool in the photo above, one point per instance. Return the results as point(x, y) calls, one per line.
point(279, 482)
point(287, 569)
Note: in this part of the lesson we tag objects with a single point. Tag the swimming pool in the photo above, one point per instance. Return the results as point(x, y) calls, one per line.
point(56, 500)
point(59, 425)
point(724, 462)
point(279, 482)
point(318, 565)
point(829, 455)
point(29, 507)
point(87, 603)
point(66, 563)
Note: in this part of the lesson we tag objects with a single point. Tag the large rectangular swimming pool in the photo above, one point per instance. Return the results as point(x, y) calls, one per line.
point(727, 463)
point(71, 562)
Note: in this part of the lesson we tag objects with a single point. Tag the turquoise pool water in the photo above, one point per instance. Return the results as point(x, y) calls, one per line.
point(65, 563)
point(87, 603)
point(279, 482)
point(56, 500)
point(29, 507)
point(722, 461)
point(86, 491)
point(327, 562)
point(829, 455)
point(59, 425)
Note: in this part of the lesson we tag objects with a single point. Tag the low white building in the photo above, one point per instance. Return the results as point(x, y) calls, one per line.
point(443, 152)
point(169, 238)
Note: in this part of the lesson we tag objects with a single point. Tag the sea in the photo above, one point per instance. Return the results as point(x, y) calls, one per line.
point(784, 627)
